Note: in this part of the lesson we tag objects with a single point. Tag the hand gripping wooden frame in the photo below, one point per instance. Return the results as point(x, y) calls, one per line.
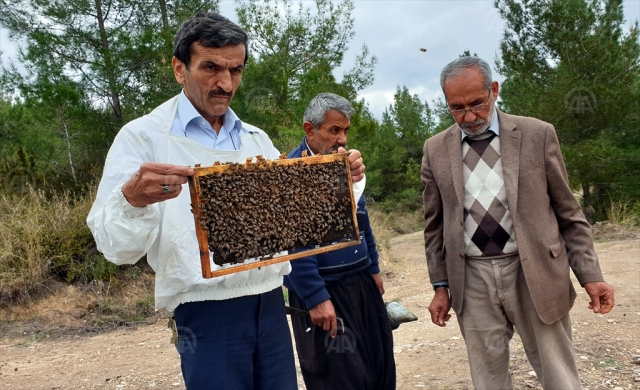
point(200, 195)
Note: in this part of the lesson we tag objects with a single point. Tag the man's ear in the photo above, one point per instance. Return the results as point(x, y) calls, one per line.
point(309, 129)
point(179, 70)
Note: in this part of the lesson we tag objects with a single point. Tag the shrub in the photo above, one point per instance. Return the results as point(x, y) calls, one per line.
point(41, 238)
point(22, 262)
point(623, 212)
point(407, 200)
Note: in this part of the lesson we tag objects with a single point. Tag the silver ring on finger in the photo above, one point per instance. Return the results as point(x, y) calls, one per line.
point(166, 188)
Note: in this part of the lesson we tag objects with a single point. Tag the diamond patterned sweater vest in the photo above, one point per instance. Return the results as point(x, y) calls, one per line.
point(488, 226)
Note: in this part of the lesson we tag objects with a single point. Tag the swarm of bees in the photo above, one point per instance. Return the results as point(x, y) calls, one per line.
point(256, 210)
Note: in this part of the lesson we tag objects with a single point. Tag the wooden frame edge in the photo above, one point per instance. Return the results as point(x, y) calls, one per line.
point(203, 240)
point(275, 260)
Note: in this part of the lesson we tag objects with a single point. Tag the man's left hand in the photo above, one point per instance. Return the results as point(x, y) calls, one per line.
point(379, 282)
point(356, 163)
point(601, 294)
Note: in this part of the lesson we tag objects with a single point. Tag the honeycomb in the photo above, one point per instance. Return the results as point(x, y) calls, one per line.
point(256, 210)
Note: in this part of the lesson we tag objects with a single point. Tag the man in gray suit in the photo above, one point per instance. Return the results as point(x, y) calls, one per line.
point(503, 228)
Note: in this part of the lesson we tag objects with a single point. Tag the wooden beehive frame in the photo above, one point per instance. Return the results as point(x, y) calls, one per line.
point(203, 240)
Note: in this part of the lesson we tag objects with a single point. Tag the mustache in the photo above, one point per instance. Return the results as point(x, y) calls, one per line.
point(335, 147)
point(219, 92)
point(473, 124)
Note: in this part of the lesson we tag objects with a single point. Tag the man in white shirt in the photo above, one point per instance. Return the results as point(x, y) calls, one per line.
point(232, 329)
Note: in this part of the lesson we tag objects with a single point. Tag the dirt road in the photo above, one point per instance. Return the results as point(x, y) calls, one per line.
point(607, 347)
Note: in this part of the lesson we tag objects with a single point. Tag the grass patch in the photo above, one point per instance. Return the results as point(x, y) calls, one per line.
point(125, 300)
point(29, 340)
point(107, 306)
point(397, 219)
point(48, 255)
point(603, 363)
point(619, 211)
point(146, 306)
point(623, 212)
point(46, 238)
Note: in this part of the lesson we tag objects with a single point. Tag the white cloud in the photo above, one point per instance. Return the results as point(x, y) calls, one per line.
point(378, 100)
point(395, 31)
point(8, 49)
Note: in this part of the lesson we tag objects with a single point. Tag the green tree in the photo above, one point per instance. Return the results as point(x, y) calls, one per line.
point(294, 51)
point(17, 166)
point(51, 132)
point(67, 124)
point(156, 77)
point(114, 49)
point(441, 111)
point(394, 170)
point(568, 62)
point(86, 67)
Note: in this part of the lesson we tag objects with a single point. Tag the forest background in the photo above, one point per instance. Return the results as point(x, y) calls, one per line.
point(88, 67)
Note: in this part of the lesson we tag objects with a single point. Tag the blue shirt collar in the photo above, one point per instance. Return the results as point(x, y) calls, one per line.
point(495, 126)
point(187, 113)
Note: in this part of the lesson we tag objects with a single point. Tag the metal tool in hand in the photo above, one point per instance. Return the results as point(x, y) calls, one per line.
point(303, 313)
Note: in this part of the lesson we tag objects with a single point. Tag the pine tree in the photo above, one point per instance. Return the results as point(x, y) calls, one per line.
point(294, 51)
point(568, 62)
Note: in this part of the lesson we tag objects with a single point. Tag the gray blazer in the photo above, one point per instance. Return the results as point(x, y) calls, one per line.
point(551, 230)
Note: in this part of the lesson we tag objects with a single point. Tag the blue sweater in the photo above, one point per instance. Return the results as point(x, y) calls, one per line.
point(309, 274)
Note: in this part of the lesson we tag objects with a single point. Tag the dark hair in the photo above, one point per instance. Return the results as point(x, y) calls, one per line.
point(211, 30)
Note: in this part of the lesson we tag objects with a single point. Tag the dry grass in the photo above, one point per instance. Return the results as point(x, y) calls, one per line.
point(23, 222)
point(44, 242)
point(36, 235)
point(618, 211)
point(50, 270)
point(623, 212)
point(383, 233)
point(388, 225)
point(84, 308)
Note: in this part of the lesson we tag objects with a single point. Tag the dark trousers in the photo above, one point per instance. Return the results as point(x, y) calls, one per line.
point(236, 344)
point(358, 358)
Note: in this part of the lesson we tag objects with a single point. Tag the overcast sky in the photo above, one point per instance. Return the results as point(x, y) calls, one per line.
point(395, 31)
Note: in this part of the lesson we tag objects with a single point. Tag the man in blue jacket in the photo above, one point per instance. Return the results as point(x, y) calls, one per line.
point(343, 284)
